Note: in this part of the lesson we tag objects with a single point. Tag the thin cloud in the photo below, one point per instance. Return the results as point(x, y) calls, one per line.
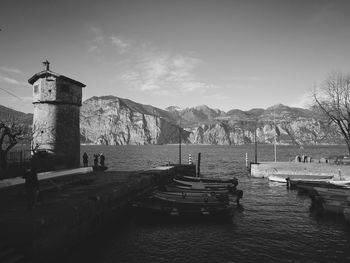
point(122, 45)
point(9, 80)
point(155, 70)
point(11, 70)
point(12, 81)
point(303, 101)
point(93, 49)
point(97, 43)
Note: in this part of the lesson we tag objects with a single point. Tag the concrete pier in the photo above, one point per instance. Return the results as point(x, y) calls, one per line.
point(68, 214)
point(285, 169)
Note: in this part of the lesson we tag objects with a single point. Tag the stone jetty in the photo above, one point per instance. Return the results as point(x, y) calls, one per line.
point(77, 207)
point(265, 169)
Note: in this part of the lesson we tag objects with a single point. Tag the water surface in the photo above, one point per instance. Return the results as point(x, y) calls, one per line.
point(274, 225)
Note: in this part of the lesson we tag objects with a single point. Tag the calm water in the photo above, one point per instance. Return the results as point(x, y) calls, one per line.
point(275, 224)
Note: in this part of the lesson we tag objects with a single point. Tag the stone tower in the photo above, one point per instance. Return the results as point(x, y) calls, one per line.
point(56, 129)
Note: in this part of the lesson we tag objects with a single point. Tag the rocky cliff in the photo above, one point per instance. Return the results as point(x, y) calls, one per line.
point(114, 121)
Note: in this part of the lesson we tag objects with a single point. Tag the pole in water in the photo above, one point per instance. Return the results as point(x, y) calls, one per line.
point(275, 141)
point(256, 148)
point(179, 145)
point(199, 165)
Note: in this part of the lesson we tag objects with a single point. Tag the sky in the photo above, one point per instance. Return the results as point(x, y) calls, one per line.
point(226, 54)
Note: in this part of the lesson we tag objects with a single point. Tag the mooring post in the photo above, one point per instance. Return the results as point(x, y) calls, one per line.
point(199, 165)
point(256, 149)
point(180, 145)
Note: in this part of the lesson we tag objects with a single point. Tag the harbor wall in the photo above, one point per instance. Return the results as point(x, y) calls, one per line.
point(66, 217)
point(264, 169)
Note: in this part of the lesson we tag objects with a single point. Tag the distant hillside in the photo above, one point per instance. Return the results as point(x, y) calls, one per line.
point(10, 114)
point(205, 115)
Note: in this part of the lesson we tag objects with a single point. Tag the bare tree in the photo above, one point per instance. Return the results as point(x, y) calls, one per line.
point(332, 98)
point(10, 134)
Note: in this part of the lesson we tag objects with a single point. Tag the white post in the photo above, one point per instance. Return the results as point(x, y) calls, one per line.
point(246, 160)
point(189, 159)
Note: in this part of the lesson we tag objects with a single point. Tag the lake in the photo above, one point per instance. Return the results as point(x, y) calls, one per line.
point(274, 225)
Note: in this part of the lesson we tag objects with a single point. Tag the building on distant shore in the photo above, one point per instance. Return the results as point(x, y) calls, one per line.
point(56, 131)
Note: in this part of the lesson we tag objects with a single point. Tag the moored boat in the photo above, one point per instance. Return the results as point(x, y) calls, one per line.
point(204, 185)
point(192, 197)
point(310, 184)
point(283, 178)
point(181, 188)
point(187, 203)
point(220, 180)
point(346, 213)
point(334, 199)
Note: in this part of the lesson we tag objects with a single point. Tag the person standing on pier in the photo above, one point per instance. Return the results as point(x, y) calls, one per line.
point(95, 159)
point(102, 159)
point(85, 159)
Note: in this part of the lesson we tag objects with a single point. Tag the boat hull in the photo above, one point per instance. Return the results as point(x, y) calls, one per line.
point(334, 200)
point(282, 178)
point(176, 209)
point(208, 179)
point(202, 185)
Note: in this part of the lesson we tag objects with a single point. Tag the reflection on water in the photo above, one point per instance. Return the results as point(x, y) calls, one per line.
point(274, 225)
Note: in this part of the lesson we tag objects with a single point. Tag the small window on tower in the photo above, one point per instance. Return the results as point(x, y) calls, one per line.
point(36, 88)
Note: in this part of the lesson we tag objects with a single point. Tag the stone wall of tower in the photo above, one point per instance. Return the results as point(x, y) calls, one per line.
point(56, 120)
point(56, 90)
point(56, 130)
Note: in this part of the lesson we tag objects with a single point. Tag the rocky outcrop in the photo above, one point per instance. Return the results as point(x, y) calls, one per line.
point(111, 121)
point(300, 132)
point(212, 134)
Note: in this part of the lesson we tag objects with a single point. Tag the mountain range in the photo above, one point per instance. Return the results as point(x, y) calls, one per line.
point(111, 120)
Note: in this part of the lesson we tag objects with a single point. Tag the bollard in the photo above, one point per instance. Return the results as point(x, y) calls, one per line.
point(246, 160)
point(288, 182)
point(189, 159)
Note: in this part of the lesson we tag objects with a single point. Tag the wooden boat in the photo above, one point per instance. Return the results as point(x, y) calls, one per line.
point(308, 185)
point(192, 197)
point(278, 179)
point(334, 199)
point(173, 209)
point(187, 204)
point(204, 185)
point(346, 213)
point(208, 179)
point(180, 188)
point(282, 178)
